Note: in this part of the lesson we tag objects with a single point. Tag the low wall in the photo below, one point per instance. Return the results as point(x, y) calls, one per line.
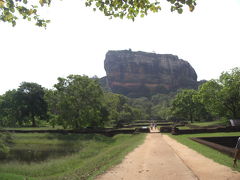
point(223, 144)
point(207, 130)
point(141, 125)
point(176, 131)
point(165, 129)
point(142, 130)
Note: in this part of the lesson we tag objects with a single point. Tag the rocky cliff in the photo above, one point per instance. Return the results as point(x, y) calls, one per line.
point(138, 74)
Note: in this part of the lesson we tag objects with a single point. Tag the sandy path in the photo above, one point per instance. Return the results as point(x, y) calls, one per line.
point(153, 160)
point(161, 157)
point(203, 168)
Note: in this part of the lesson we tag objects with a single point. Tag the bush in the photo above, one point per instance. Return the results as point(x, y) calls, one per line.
point(5, 140)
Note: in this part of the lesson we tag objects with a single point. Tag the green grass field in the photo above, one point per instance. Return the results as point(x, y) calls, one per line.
point(95, 153)
point(87, 155)
point(205, 150)
point(33, 128)
point(221, 122)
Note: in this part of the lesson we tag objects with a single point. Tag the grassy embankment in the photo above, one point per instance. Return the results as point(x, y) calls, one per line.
point(33, 128)
point(89, 155)
point(221, 122)
point(205, 150)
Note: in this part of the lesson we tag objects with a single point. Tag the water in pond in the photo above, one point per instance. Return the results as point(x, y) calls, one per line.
point(36, 155)
point(223, 144)
point(229, 141)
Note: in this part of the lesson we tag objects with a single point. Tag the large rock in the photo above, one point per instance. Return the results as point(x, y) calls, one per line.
point(138, 74)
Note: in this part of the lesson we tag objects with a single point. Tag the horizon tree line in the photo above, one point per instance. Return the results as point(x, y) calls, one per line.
point(79, 102)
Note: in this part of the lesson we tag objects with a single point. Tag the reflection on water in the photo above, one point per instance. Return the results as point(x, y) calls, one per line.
point(30, 155)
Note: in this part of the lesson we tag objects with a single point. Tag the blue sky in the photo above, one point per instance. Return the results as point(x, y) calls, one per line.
point(77, 40)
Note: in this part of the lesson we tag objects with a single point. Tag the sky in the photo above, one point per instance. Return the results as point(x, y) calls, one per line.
point(77, 40)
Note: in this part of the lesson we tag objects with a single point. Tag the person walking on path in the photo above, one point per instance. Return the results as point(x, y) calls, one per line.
point(237, 153)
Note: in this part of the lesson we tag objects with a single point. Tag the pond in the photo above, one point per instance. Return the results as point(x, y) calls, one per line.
point(36, 154)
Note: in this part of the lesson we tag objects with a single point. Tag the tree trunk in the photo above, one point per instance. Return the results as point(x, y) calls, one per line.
point(234, 113)
point(191, 118)
point(33, 122)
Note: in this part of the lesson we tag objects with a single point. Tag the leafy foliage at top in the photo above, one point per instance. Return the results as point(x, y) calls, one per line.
point(11, 10)
point(133, 8)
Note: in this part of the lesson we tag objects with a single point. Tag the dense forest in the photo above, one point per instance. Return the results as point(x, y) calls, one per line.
point(77, 102)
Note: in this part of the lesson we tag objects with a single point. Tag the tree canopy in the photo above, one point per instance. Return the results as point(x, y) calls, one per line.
point(23, 106)
point(30, 101)
point(12, 10)
point(9, 109)
point(186, 105)
point(217, 98)
point(79, 102)
point(222, 96)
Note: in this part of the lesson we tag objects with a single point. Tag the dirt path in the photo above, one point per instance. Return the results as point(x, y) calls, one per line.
point(203, 168)
point(154, 130)
point(161, 157)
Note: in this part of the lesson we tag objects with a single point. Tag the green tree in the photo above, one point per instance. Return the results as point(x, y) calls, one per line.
point(80, 102)
point(186, 106)
point(11, 10)
point(222, 96)
point(51, 97)
point(9, 109)
point(126, 115)
point(120, 109)
point(112, 102)
point(209, 94)
point(5, 141)
point(129, 113)
point(31, 103)
point(161, 108)
point(161, 111)
point(144, 105)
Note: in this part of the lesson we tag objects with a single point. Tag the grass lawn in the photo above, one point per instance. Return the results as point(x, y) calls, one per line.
point(205, 150)
point(221, 122)
point(183, 127)
point(212, 123)
point(33, 128)
point(92, 155)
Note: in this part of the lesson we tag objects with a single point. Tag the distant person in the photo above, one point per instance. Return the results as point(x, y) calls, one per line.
point(151, 126)
point(237, 153)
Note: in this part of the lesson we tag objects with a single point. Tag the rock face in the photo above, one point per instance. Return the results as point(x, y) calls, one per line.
point(136, 74)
